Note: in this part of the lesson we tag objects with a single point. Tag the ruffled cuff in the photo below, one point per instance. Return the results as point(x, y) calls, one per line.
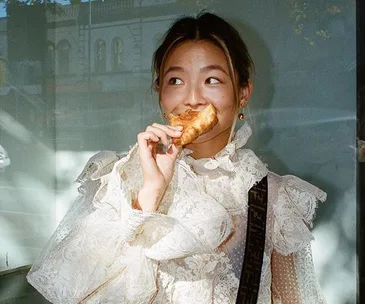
point(117, 197)
point(294, 212)
point(102, 185)
point(135, 221)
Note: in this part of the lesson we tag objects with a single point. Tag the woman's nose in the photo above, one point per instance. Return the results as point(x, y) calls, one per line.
point(195, 98)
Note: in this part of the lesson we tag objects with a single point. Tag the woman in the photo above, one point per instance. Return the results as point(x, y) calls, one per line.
point(170, 227)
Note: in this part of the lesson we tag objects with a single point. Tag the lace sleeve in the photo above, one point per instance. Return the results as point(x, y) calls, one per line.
point(201, 232)
point(294, 280)
point(56, 271)
point(284, 284)
point(193, 223)
point(88, 247)
point(293, 277)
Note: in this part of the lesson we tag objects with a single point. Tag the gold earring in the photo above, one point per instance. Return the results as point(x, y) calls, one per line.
point(241, 116)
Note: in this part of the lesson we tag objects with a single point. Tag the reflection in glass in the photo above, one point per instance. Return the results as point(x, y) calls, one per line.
point(302, 110)
point(51, 56)
point(63, 49)
point(117, 53)
point(100, 56)
point(4, 159)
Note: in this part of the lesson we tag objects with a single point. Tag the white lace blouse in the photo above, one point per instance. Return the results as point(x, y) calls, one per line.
point(190, 250)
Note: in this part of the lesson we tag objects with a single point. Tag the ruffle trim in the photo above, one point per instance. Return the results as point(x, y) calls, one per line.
point(294, 212)
point(224, 158)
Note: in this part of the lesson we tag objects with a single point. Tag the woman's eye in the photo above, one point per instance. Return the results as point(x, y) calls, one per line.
point(175, 80)
point(212, 80)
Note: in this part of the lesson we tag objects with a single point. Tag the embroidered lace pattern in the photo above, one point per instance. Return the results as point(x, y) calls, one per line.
point(190, 250)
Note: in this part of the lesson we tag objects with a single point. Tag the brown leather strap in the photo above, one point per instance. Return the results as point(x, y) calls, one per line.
point(255, 244)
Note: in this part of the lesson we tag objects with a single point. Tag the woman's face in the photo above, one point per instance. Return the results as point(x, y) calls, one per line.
point(196, 74)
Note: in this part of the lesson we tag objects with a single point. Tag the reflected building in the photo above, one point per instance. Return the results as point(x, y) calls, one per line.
point(22, 44)
point(97, 66)
point(81, 68)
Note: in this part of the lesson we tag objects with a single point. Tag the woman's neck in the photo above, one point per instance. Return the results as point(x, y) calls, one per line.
point(210, 147)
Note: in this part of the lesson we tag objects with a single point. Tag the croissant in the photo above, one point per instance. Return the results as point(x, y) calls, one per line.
point(194, 124)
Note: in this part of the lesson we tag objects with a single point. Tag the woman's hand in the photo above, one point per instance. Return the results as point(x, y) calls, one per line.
point(157, 166)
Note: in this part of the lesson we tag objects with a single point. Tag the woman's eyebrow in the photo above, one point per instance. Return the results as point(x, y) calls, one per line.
point(213, 67)
point(203, 69)
point(174, 69)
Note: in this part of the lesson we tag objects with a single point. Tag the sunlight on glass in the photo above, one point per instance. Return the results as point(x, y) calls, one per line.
point(69, 166)
point(335, 266)
point(13, 127)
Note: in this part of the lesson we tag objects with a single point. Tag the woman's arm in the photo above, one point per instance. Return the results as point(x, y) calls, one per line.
point(293, 276)
point(198, 225)
point(157, 167)
point(284, 286)
point(177, 238)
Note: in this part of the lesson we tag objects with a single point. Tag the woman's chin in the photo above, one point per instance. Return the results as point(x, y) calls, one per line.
point(213, 135)
point(205, 138)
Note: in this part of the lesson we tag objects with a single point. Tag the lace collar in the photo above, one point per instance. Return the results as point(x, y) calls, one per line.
point(222, 159)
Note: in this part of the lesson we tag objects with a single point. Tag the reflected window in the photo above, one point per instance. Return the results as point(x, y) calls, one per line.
point(117, 53)
point(51, 58)
point(63, 50)
point(100, 56)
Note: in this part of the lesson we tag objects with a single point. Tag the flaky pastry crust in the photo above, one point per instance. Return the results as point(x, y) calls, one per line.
point(194, 123)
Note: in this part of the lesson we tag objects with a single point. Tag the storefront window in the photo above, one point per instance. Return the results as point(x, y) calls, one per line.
point(75, 79)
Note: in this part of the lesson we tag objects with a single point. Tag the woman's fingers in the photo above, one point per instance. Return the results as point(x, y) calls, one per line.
point(144, 137)
point(144, 140)
point(173, 131)
point(164, 132)
point(154, 134)
point(157, 167)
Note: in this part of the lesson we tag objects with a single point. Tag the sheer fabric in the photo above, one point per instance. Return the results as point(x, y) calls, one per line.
point(190, 250)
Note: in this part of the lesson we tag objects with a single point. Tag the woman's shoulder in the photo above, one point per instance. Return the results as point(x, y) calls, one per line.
point(294, 203)
point(97, 165)
point(296, 191)
point(102, 163)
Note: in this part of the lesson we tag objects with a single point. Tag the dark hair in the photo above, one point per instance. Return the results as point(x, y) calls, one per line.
point(208, 27)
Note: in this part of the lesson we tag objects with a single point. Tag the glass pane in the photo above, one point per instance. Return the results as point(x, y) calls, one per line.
point(27, 128)
point(75, 79)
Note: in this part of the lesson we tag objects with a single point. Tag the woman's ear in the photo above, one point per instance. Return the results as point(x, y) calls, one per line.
point(245, 94)
point(156, 84)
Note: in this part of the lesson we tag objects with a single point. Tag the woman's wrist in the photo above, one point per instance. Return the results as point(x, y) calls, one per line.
point(149, 198)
